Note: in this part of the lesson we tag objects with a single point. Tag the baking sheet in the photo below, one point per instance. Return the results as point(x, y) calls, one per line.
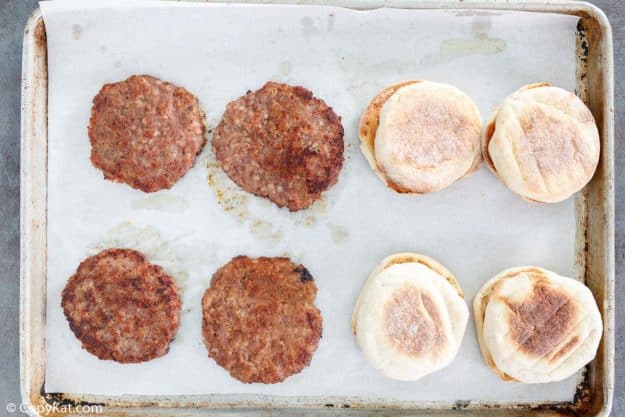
point(476, 227)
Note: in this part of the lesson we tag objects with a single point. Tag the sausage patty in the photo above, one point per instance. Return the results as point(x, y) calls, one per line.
point(145, 132)
point(281, 143)
point(259, 319)
point(121, 307)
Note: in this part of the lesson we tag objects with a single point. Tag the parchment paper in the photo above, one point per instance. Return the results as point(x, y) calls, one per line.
point(476, 227)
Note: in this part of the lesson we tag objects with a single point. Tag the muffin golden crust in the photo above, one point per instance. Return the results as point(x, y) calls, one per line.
point(535, 326)
point(542, 142)
point(410, 317)
point(420, 136)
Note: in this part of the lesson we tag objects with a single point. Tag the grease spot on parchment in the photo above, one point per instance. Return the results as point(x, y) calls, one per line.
point(330, 23)
point(285, 68)
point(162, 201)
point(228, 197)
point(479, 44)
point(235, 201)
point(296, 258)
point(117, 64)
point(312, 214)
point(254, 211)
point(308, 27)
point(340, 234)
point(149, 242)
point(265, 230)
point(76, 31)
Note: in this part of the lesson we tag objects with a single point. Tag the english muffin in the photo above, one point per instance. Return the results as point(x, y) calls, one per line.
point(535, 326)
point(421, 136)
point(145, 132)
point(122, 307)
point(542, 142)
point(410, 317)
point(259, 319)
point(281, 143)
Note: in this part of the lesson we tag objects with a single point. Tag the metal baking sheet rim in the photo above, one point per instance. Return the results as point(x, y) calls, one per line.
point(595, 257)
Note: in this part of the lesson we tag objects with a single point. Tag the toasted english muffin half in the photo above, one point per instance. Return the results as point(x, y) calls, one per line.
point(421, 136)
point(535, 326)
point(410, 317)
point(542, 142)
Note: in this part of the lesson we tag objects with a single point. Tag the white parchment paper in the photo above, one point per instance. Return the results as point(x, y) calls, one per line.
point(476, 227)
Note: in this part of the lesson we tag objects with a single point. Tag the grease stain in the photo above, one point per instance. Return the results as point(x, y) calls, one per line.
point(162, 201)
point(330, 22)
point(149, 242)
point(285, 68)
point(76, 32)
point(308, 27)
point(235, 201)
point(340, 234)
point(479, 44)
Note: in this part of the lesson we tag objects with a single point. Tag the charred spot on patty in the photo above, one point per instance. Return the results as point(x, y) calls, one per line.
point(304, 275)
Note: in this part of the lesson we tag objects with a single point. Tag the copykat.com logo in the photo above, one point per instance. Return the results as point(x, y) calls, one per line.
point(43, 409)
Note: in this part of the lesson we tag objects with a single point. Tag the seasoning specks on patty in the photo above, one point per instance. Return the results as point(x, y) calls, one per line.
point(145, 132)
point(281, 143)
point(122, 307)
point(259, 319)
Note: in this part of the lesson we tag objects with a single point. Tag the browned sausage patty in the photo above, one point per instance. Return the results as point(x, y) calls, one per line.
point(259, 319)
point(281, 143)
point(145, 132)
point(121, 307)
